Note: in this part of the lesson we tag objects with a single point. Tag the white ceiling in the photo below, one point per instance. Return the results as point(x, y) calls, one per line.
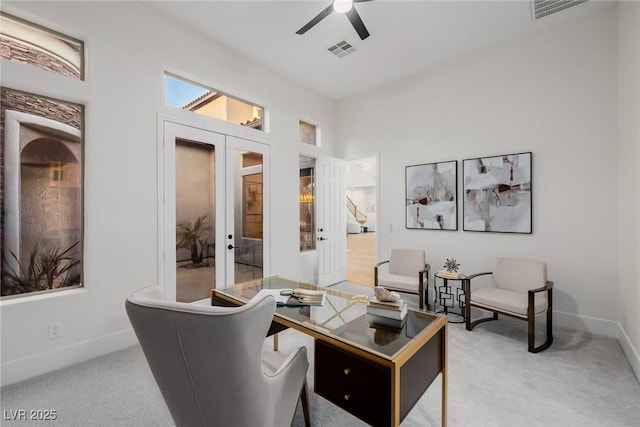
point(407, 37)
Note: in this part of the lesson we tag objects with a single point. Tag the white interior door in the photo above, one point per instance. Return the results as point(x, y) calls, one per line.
point(331, 220)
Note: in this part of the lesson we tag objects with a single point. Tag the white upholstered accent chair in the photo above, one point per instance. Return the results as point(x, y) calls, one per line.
point(520, 289)
point(407, 272)
point(207, 362)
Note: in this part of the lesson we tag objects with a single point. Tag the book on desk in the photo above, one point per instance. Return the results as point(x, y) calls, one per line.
point(377, 322)
point(298, 297)
point(301, 297)
point(388, 314)
point(392, 310)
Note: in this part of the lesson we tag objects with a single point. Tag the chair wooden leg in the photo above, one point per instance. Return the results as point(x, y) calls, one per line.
point(532, 337)
point(550, 317)
point(531, 320)
point(304, 397)
point(275, 342)
point(426, 294)
point(473, 324)
point(467, 308)
point(466, 284)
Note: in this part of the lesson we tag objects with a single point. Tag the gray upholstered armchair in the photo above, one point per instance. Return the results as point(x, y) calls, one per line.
point(520, 289)
point(207, 362)
point(406, 273)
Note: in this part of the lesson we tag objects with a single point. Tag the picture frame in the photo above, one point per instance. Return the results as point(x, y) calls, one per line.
point(431, 197)
point(497, 194)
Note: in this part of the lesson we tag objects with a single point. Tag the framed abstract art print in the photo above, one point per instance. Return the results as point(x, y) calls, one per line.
point(431, 196)
point(497, 194)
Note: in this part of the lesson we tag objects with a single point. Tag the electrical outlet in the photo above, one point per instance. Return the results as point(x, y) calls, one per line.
point(55, 330)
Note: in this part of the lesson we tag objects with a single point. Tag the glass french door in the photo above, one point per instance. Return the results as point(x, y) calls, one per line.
point(213, 213)
point(247, 216)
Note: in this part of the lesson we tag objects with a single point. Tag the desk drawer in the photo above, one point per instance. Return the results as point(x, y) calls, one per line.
point(355, 384)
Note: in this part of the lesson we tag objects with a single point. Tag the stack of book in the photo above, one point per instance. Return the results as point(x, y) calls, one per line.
point(445, 274)
point(303, 296)
point(386, 314)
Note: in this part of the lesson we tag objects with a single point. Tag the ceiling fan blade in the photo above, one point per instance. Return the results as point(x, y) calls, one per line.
point(319, 17)
point(357, 23)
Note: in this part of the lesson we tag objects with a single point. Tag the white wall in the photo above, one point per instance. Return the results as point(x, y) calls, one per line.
point(555, 94)
point(629, 178)
point(129, 47)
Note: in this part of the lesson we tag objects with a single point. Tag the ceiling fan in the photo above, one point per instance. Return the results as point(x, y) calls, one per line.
point(340, 6)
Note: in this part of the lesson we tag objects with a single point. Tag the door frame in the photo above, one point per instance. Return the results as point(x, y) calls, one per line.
point(252, 141)
point(376, 156)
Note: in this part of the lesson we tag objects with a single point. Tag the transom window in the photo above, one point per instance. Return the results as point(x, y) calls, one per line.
point(27, 43)
point(308, 133)
point(186, 95)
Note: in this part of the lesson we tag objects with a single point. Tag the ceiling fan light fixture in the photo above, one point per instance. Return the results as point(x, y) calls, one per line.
point(342, 6)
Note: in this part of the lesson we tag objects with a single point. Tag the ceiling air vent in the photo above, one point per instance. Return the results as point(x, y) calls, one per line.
point(341, 49)
point(542, 8)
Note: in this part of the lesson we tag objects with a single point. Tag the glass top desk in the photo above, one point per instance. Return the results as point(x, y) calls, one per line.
point(376, 374)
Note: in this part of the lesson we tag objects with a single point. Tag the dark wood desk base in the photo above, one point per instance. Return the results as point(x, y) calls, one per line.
point(365, 388)
point(357, 385)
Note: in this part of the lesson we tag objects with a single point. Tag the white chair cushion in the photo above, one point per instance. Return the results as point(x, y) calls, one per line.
point(519, 275)
point(407, 262)
point(408, 283)
point(513, 302)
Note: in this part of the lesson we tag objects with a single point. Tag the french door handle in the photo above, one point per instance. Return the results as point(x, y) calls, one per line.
point(322, 238)
point(230, 247)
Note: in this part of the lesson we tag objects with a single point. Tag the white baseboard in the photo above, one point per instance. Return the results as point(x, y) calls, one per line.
point(592, 325)
point(633, 356)
point(20, 370)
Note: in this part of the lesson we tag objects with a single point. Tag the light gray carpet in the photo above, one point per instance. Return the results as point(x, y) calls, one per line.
point(582, 380)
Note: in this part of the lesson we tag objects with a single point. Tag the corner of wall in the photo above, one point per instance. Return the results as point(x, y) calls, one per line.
point(633, 356)
point(607, 328)
point(628, 178)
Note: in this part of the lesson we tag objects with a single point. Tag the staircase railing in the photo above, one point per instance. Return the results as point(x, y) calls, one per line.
point(357, 214)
